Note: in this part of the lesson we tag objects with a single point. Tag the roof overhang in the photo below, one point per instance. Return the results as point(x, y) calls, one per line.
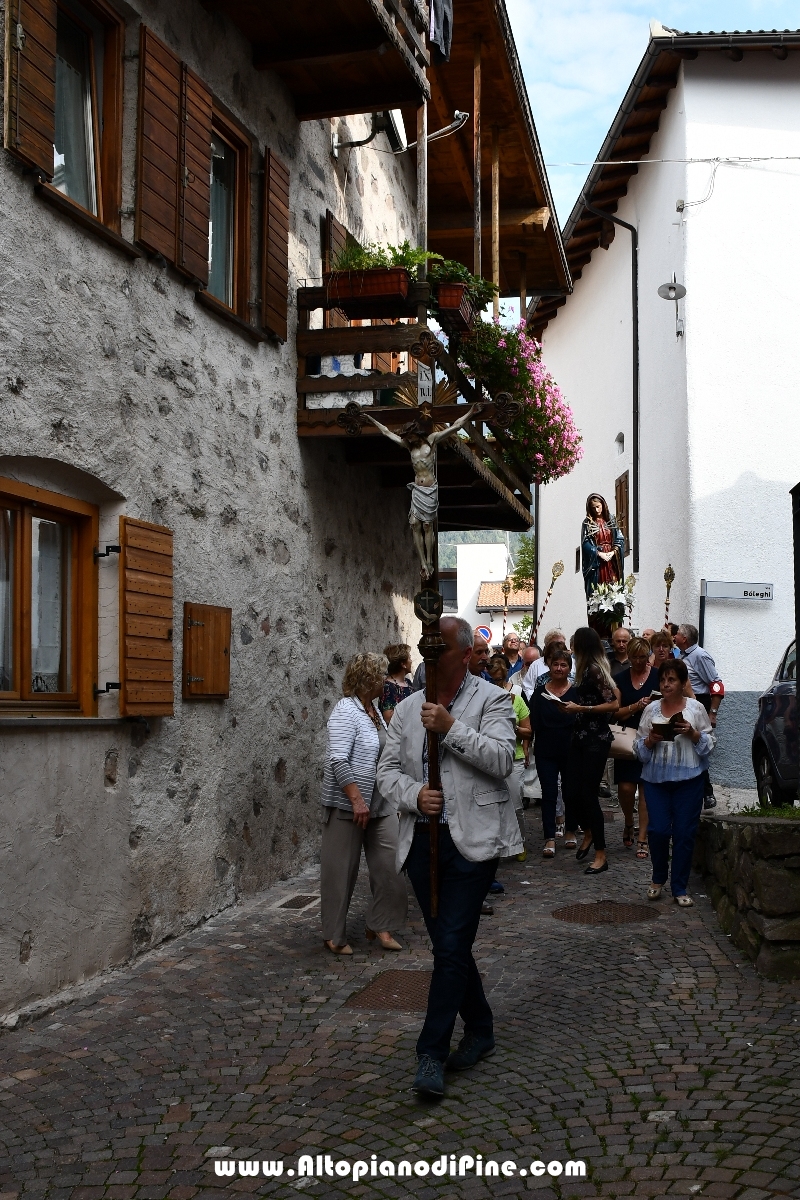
point(527, 214)
point(339, 57)
point(628, 140)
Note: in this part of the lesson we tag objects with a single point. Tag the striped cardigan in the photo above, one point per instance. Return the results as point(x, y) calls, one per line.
point(351, 756)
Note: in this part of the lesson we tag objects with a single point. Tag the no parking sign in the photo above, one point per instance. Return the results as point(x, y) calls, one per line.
point(484, 632)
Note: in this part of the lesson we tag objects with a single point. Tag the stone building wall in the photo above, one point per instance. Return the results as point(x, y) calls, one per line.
point(117, 387)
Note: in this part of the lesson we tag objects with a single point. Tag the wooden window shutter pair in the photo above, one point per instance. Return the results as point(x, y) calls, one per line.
point(206, 652)
point(145, 636)
point(622, 504)
point(173, 159)
point(275, 247)
point(30, 82)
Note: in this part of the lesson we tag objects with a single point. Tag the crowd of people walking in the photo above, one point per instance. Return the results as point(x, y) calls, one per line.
point(563, 713)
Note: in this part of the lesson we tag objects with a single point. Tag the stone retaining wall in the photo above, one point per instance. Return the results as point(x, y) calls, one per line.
point(752, 871)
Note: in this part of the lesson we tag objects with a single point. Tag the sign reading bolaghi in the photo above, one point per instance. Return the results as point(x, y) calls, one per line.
point(714, 589)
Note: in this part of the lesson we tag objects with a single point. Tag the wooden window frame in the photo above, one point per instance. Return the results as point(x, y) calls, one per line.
point(83, 519)
point(236, 137)
point(108, 155)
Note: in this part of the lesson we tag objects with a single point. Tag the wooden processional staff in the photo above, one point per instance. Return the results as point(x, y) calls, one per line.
point(558, 569)
point(669, 579)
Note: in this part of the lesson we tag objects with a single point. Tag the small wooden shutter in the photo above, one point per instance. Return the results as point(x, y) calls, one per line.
point(194, 178)
point(146, 670)
point(30, 81)
point(622, 504)
point(158, 146)
point(387, 360)
point(206, 652)
point(275, 247)
point(336, 238)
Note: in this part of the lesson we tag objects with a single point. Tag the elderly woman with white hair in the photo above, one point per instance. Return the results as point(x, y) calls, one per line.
point(355, 815)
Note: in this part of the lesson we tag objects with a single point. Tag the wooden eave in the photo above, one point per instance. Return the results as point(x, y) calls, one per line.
point(524, 187)
point(339, 57)
point(630, 136)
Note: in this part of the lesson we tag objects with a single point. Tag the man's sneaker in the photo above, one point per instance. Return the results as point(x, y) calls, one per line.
point(471, 1048)
point(604, 790)
point(429, 1079)
point(496, 887)
point(710, 801)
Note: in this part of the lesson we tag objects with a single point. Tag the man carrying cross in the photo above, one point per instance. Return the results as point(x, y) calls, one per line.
point(475, 724)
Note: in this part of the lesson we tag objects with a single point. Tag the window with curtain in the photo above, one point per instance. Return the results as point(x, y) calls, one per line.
point(222, 223)
point(75, 151)
point(51, 606)
point(48, 600)
point(7, 531)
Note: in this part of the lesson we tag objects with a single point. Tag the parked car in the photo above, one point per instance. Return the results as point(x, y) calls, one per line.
point(775, 738)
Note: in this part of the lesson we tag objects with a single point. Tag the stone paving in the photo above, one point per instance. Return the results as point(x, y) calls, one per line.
point(649, 1051)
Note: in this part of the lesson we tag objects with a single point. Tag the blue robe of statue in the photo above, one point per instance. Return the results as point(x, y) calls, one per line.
point(605, 536)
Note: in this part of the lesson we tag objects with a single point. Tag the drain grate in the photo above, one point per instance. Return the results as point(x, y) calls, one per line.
point(404, 991)
point(604, 912)
point(298, 901)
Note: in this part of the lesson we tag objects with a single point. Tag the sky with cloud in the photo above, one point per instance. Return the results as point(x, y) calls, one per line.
point(579, 56)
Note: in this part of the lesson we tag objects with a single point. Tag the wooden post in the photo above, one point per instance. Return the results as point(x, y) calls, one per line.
point(476, 158)
point(523, 285)
point(422, 196)
point(496, 217)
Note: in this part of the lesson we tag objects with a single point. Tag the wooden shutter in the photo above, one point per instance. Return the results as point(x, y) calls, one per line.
point(336, 238)
point(158, 146)
point(206, 652)
point(145, 619)
point(194, 177)
point(275, 247)
point(622, 504)
point(30, 81)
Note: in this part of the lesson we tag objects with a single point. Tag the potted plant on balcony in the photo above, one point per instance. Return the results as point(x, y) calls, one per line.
point(371, 280)
point(457, 296)
point(542, 443)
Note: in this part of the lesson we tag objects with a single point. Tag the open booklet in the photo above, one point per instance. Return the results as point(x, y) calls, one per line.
point(550, 696)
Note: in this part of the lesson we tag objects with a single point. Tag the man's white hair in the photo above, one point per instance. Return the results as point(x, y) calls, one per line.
point(464, 634)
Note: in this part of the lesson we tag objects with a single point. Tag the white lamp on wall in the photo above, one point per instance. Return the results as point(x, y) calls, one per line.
point(674, 291)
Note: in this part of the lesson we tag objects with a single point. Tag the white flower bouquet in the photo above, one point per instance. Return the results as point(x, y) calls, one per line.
point(611, 601)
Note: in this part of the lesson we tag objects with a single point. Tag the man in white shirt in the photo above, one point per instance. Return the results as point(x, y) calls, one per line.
point(706, 684)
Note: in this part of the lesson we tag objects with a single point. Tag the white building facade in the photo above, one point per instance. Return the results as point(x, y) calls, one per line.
point(719, 422)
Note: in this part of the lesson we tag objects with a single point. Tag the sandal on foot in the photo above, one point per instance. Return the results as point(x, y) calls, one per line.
point(548, 852)
point(642, 851)
point(570, 843)
point(627, 837)
point(654, 891)
point(684, 901)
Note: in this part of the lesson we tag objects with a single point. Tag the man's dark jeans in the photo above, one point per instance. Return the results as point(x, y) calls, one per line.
point(456, 985)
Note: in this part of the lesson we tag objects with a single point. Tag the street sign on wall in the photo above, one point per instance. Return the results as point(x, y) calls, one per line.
point(715, 589)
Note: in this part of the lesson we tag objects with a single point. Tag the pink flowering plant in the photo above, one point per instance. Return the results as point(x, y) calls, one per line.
point(543, 439)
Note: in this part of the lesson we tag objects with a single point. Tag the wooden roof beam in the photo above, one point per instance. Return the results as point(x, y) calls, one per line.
point(459, 224)
point(267, 56)
point(444, 111)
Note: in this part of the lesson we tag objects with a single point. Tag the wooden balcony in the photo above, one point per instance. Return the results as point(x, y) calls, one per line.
point(340, 56)
point(477, 489)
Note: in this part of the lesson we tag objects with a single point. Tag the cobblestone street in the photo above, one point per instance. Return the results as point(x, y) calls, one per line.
point(648, 1050)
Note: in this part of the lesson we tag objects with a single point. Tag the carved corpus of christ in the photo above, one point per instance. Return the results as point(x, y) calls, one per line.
point(424, 490)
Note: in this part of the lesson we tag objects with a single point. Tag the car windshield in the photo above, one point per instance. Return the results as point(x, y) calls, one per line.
point(789, 669)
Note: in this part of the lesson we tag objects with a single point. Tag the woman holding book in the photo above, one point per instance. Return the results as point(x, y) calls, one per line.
point(673, 742)
point(553, 726)
point(596, 699)
point(635, 683)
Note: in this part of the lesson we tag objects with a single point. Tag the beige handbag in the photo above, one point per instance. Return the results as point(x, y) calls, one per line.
point(622, 745)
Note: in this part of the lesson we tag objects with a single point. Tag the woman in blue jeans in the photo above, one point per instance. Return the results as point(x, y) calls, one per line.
point(673, 741)
point(552, 750)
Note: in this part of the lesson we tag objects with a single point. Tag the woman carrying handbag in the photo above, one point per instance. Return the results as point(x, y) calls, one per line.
point(635, 683)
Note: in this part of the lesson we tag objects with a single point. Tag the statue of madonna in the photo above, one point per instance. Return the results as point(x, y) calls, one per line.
point(602, 545)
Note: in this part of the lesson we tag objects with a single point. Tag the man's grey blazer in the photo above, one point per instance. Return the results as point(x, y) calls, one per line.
point(476, 756)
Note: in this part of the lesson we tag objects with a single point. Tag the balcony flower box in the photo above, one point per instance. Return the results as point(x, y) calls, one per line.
point(455, 309)
point(362, 294)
